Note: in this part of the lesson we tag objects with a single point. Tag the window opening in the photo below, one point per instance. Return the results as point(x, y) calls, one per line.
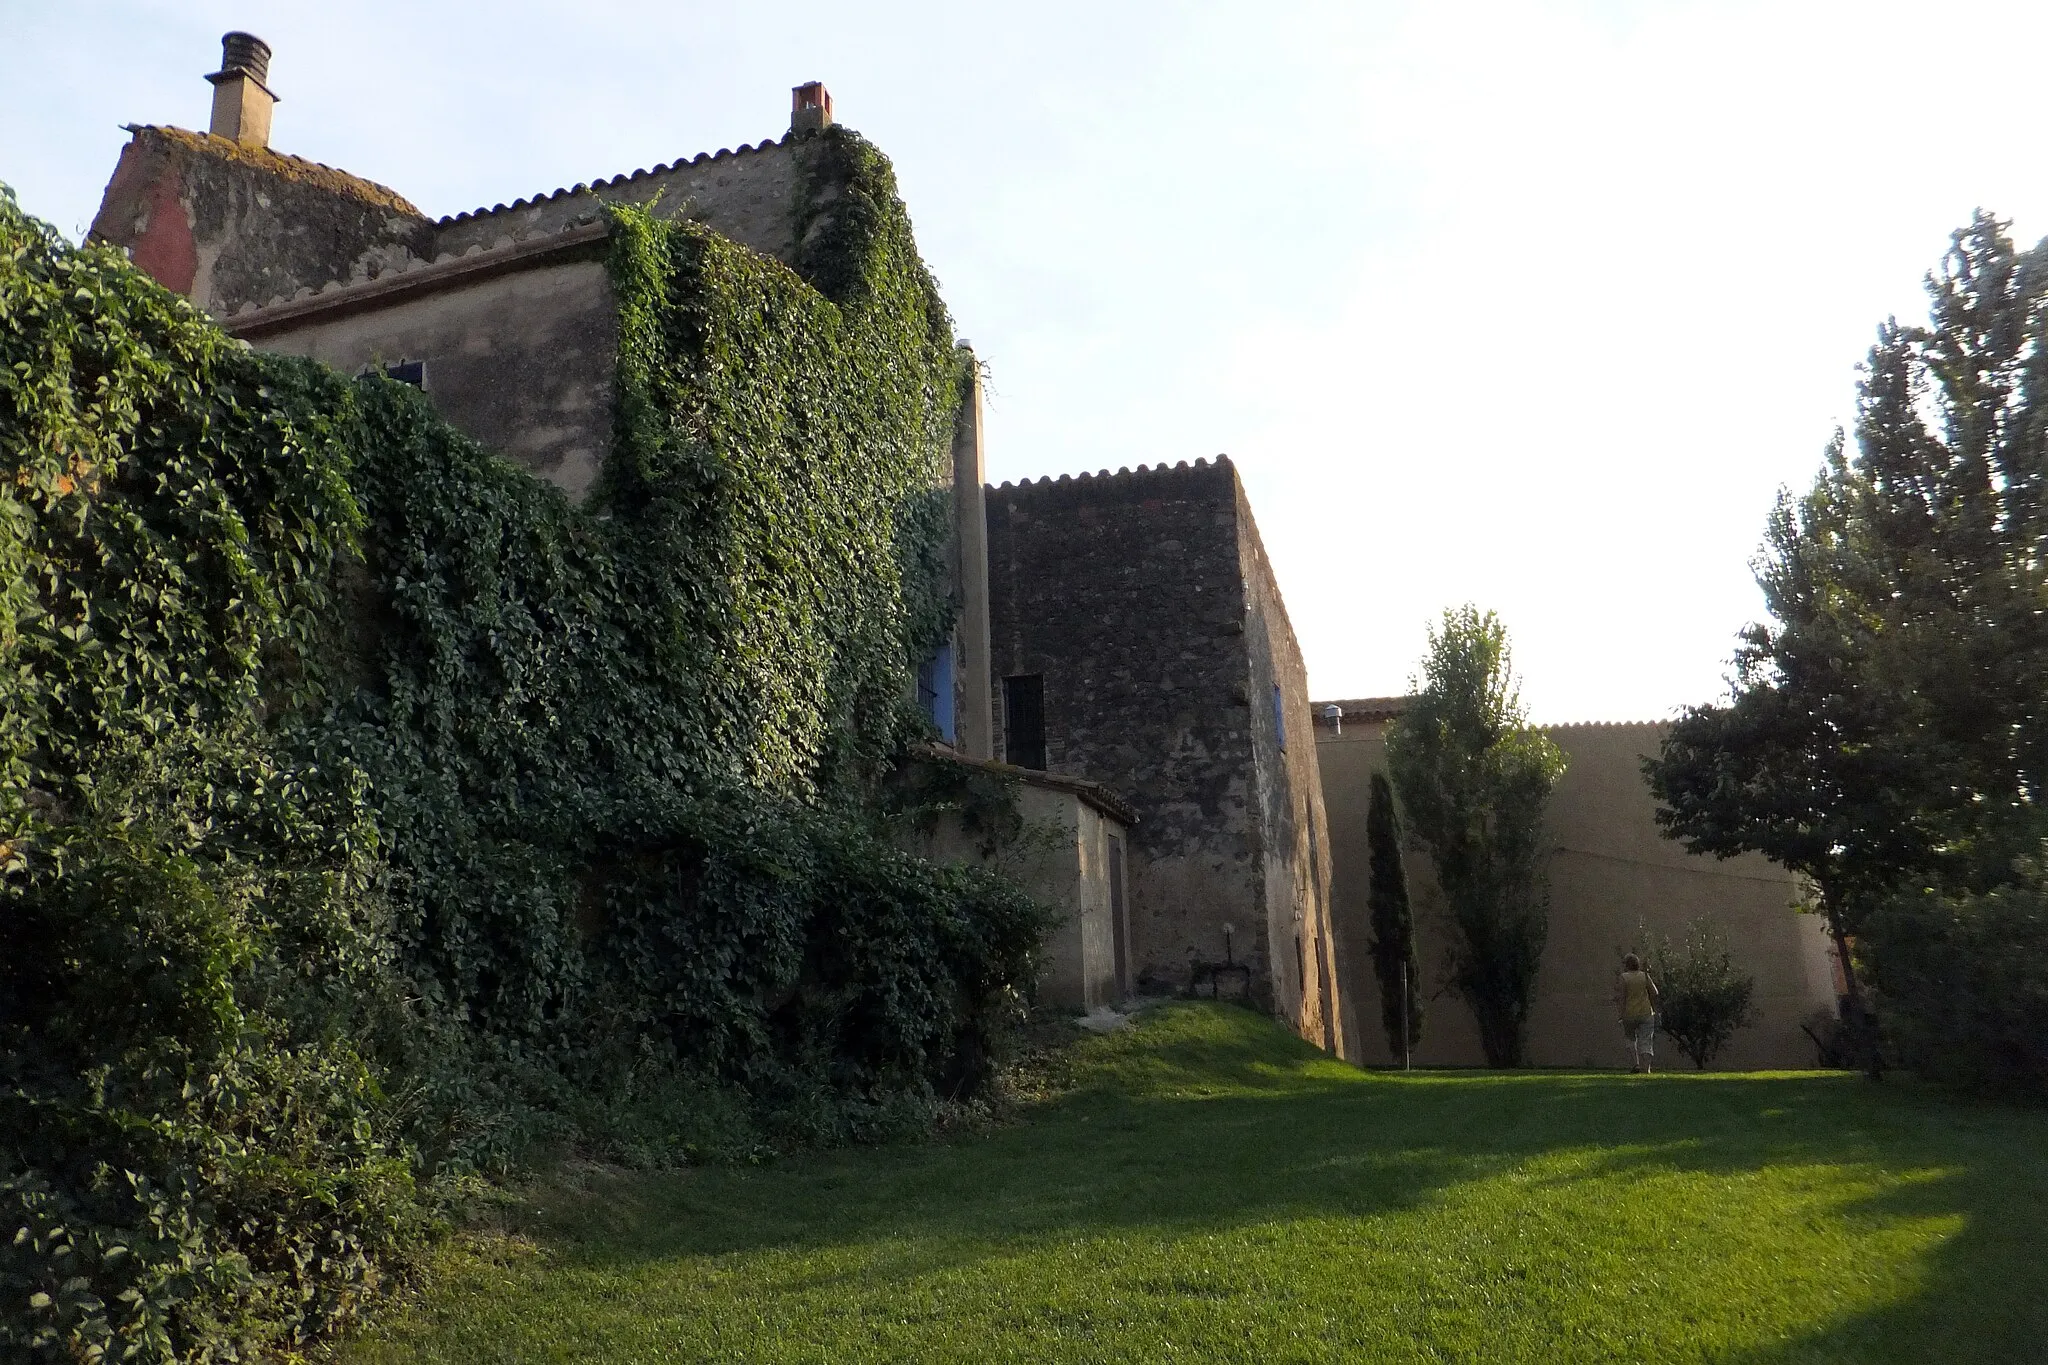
point(1024, 720)
point(935, 692)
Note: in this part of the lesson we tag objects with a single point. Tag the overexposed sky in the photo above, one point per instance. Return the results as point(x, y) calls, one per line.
point(1530, 305)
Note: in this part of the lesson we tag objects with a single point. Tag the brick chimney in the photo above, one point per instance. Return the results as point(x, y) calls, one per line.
point(241, 101)
point(810, 107)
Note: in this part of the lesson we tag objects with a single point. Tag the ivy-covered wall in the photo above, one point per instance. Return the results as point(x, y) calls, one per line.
point(374, 813)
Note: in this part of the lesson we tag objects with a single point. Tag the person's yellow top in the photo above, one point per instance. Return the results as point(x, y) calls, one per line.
point(1635, 998)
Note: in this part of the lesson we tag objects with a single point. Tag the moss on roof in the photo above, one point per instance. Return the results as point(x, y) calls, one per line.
point(284, 167)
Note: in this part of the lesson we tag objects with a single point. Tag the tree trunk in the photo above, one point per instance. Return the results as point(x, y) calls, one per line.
point(1859, 1022)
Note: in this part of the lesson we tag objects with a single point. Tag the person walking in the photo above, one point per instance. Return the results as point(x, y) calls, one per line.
point(1635, 996)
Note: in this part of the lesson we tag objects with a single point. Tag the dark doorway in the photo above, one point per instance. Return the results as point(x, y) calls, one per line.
point(1119, 930)
point(1024, 720)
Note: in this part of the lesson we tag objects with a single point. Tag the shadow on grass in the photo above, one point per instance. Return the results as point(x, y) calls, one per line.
point(1203, 1122)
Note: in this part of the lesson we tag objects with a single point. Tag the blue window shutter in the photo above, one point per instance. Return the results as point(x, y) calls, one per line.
point(935, 692)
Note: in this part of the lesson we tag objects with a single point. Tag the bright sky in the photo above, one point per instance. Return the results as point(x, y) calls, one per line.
point(1530, 305)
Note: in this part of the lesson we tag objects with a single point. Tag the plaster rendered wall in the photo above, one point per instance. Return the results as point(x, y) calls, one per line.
point(1062, 860)
point(523, 361)
point(1292, 833)
point(745, 195)
point(1615, 883)
point(1072, 875)
point(232, 227)
point(229, 226)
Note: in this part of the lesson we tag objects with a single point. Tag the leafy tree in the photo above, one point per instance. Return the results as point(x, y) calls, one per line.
point(1882, 731)
point(1474, 779)
point(1704, 996)
point(1393, 923)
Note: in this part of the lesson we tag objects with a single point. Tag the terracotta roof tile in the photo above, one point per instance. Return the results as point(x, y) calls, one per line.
point(1125, 474)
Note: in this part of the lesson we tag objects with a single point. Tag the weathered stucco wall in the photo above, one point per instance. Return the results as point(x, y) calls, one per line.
point(1063, 859)
point(233, 227)
point(1143, 599)
point(230, 226)
point(1080, 966)
point(522, 361)
point(746, 195)
point(1616, 886)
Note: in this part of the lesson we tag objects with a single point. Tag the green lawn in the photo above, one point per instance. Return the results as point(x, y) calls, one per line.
point(1213, 1189)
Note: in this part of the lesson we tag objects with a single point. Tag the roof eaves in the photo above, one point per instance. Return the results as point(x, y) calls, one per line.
point(1094, 794)
point(342, 297)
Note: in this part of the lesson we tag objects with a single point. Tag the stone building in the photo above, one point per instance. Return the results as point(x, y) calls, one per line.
point(1616, 885)
point(1154, 702)
point(1140, 640)
point(1121, 651)
point(504, 315)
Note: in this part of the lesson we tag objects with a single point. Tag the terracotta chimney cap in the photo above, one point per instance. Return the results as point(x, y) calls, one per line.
point(242, 54)
point(810, 107)
point(241, 100)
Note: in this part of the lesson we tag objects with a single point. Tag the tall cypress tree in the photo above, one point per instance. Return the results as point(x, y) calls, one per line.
point(1393, 924)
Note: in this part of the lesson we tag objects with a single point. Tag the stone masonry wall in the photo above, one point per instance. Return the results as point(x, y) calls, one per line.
point(1145, 602)
point(1292, 835)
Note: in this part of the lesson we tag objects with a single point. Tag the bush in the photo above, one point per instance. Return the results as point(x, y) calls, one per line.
point(1961, 985)
point(1703, 998)
point(194, 1158)
point(373, 813)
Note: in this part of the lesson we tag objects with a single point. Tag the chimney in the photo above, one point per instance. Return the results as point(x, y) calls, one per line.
point(241, 101)
point(810, 108)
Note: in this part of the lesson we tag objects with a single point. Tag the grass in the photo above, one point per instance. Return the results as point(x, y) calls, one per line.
point(1211, 1189)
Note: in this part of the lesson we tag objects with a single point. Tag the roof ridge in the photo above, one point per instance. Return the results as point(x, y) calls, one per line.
point(623, 178)
point(1602, 724)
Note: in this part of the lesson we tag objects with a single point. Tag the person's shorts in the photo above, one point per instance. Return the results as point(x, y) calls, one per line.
point(1641, 1032)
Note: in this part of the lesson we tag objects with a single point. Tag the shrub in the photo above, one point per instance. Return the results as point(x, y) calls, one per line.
point(373, 813)
point(194, 1158)
point(1703, 997)
point(1962, 986)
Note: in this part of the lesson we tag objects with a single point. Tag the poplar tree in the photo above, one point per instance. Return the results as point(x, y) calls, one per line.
point(1474, 778)
point(1393, 923)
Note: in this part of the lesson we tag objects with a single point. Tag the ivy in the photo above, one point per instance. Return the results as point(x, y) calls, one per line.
point(374, 811)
